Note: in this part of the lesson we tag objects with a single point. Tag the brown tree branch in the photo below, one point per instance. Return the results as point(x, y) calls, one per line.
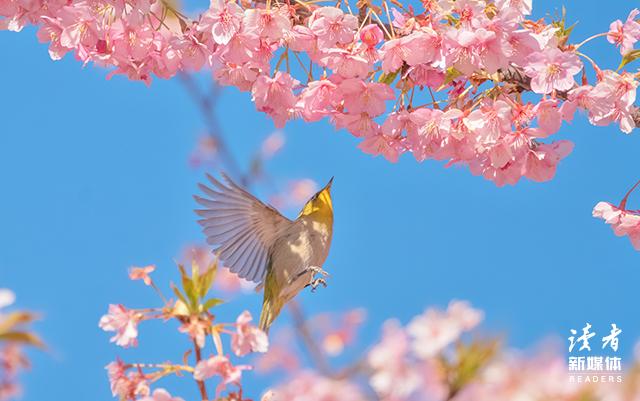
point(201, 386)
point(522, 83)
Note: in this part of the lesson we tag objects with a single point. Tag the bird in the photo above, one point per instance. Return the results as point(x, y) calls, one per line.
point(259, 244)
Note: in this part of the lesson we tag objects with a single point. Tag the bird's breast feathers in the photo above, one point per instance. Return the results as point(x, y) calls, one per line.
point(307, 240)
point(305, 244)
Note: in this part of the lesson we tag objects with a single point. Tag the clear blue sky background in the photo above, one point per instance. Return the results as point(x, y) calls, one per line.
point(95, 178)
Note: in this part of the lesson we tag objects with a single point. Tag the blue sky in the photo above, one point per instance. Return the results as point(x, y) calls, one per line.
point(95, 179)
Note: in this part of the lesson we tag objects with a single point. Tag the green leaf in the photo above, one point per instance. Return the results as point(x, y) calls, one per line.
point(388, 78)
point(22, 337)
point(189, 288)
point(452, 20)
point(178, 293)
point(183, 274)
point(470, 359)
point(212, 302)
point(568, 30)
point(452, 74)
point(206, 280)
point(192, 296)
point(628, 58)
point(195, 274)
point(563, 32)
point(14, 319)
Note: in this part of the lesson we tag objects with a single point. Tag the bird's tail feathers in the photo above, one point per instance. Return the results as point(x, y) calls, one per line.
point(270, 311)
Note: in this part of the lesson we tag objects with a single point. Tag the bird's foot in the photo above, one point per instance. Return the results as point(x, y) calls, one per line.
point(312, 269)
point(317, 270)
point(316, 282)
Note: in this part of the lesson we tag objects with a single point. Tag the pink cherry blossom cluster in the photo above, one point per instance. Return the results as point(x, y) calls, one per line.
point(402, 366)
point(432, 358)
point(443, 82)
point(12, 361)
point(623, 221)
point(14, 336)
point(192, 309)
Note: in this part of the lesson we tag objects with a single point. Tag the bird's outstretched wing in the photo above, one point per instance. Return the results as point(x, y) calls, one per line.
point(240, 227)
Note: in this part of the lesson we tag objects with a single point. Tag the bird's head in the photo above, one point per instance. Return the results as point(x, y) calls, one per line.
point(320, 202)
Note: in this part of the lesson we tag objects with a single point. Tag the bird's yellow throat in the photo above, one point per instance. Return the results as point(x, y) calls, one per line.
point(320, 206)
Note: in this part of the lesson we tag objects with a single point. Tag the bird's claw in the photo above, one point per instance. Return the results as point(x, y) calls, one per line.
point(316, 282)
point(318, 270)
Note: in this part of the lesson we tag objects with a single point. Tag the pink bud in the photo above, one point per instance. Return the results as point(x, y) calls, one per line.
point(371, 35)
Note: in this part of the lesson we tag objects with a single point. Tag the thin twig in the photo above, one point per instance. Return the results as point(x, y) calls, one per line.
point(207, 109)
point(305, 335)
point(317, 356)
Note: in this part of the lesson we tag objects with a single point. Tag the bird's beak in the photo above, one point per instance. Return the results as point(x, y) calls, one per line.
point(328, 186)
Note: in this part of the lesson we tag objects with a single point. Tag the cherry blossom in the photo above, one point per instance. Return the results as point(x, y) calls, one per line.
point(428, 359)
point(364, 74)
point(195, 310)
point(160, 395)
point(611, 100)
point(371, 35)
point(380, 144)
point(7, 297)
point(310, 386)
point(219, 365)
point(542, 161)
point(440, 80)
point(337, 337)
point(272, 145)
point(196, 328)
point(142, 273)
point(472, 369)
point(332, 26)
point(625, 35)
point(417, 48)
point(12, 360)
point(551, 70)
point(15, 336)
point(361, 97)
point(623, 222)
point(434, 330)
point(127, 385)
point(393, 376)
point(247, 337)
point(124, 322)
point(316, 100)
point(275, 96)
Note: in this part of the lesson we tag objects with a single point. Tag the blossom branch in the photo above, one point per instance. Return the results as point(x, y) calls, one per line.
point(515, 76)
point(383, 52)
point(201, 386)
point(192, 309)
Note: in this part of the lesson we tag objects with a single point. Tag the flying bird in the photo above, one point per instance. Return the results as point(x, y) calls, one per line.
point(259, 244)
